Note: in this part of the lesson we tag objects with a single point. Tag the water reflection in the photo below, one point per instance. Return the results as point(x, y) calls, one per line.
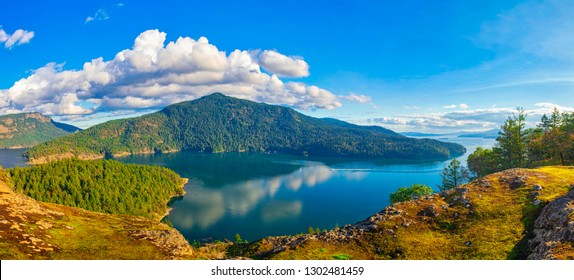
point(205, 206)
point(259, 195)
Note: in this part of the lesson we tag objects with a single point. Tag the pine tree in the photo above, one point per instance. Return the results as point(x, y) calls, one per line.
point(511, 142)
point(453, 175)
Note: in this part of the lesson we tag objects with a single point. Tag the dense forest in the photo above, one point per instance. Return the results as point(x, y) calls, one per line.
point(217, 123)
point(29, 129)
point(102, 185)
point(551, 142)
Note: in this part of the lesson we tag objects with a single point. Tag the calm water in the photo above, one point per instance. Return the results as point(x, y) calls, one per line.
point(259, 195)
point(12, 158)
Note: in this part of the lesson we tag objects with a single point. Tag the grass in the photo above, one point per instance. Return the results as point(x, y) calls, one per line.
point(37, 230)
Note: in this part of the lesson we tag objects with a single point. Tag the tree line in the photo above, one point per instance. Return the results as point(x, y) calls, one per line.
point(102, 186)
point(551, 142)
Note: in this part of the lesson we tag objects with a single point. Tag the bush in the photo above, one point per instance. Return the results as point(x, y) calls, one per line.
point(410, 193)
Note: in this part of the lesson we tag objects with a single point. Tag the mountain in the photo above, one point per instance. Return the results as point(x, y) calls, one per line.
point(421, 134)
point(490, 134)
point(28, 129)
point(217, 123)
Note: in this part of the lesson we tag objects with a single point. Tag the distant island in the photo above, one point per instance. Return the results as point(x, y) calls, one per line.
point(218, 123)
point(28, 129)
point(422, 134)
point(489, 134)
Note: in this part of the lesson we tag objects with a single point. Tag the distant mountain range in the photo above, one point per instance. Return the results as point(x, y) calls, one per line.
point(218, 123)
point(28, 129)
point(421, 134)
point(491, 134)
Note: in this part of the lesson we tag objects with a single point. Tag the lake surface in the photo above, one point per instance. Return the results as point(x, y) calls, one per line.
point(12, 158)
point(258, 195)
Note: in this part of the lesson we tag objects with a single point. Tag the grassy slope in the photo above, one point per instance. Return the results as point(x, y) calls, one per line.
point(37, 230)
point(496, 224)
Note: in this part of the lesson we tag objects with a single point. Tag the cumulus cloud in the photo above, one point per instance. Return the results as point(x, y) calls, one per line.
point(19, 37)
point(153, 74)
point(282, 65)
point(468, 120)
point(359, 98)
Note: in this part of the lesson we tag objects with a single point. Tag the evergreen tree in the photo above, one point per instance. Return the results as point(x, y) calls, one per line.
point(511, 142)
point(453, 175)
point(482, 162)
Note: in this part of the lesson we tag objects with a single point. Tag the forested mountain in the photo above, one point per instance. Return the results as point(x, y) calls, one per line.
point(28, 129)
point(217, 123)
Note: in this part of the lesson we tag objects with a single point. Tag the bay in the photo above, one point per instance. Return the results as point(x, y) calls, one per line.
point(10, 158)
point(257, 195)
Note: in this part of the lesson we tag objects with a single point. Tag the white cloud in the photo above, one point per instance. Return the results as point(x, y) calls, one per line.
point(359, 98)
point(454, 106)
point(19, 37)
point(282, 65)
point(467, 120)
point(100, 15)
point(153, 74)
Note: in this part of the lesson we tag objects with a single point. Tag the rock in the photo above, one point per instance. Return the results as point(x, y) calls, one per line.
point(535, 194)
point(483, 183)
point(406, 224)
point(517, 182)
point(536, 202)
point(537, 187)
point(467, 205)
point(554, 228)
point(462, 190)
point(429, 211)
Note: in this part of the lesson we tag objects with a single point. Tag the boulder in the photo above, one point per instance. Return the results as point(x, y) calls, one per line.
point(554, 228)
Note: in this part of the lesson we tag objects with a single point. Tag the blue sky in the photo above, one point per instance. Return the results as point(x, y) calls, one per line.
point(406, 65)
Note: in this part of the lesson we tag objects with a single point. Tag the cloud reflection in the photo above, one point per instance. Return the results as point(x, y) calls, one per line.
point(204, 206)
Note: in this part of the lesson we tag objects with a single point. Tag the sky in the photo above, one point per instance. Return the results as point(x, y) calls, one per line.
point(410, 65)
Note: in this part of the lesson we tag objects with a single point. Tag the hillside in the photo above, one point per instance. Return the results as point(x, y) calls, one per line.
point(495, 217)
point(38, 230)
point(217, 123)
point(105, 186)
point(28, 129)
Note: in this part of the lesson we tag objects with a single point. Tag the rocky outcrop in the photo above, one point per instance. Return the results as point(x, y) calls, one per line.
point(554, 230)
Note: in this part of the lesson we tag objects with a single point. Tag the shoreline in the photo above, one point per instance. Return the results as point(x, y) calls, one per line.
point(168, 210)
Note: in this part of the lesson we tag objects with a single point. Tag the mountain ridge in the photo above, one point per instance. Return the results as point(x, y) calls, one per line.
point(218, 123)
point(25, 130)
